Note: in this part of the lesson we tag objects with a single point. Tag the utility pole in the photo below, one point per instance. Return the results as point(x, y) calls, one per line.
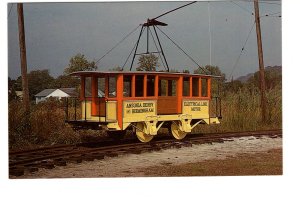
point(261, 62)
point(23, 58)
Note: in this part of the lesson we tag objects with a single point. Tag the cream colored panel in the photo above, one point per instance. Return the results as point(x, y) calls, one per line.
point(196, 108)
point(88, 106)
point(111, 110)
point(134, 111)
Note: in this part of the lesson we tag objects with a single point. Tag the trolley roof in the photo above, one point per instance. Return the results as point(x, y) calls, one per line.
point(92, 73)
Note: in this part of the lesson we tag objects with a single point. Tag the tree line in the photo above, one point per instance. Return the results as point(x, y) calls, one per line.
point(39, 80)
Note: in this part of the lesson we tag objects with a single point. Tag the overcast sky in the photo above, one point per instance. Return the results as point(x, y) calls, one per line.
point(57, 31)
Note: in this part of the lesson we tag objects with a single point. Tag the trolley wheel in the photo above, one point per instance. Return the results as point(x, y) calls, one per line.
point(116, 135)
point(140, 127)
point(178, 134)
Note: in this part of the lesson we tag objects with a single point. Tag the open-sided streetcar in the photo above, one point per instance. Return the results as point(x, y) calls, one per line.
point(145, 102)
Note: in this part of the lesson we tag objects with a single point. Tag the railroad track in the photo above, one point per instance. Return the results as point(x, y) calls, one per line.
point(60, 155)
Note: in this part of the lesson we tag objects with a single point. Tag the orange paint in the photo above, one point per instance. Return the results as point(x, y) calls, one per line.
point(120, 100)
point(145, 86)
point(133, 86)
point(179, 94)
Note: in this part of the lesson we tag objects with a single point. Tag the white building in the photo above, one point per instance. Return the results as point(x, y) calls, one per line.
point(56, 93)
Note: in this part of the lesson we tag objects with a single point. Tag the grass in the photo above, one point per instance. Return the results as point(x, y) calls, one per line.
point(266, 163)
point(241, 112)
point(46, 126)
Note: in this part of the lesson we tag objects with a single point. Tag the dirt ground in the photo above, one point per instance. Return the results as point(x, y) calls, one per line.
point(242, 156)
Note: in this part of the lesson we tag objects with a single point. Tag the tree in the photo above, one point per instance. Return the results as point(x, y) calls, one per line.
point(213, 70)
point(147, 63)
point(38, 80)
point(12, 90)
point(116, 68)
point(65, 81)
point(80, 63)
point(273, 77)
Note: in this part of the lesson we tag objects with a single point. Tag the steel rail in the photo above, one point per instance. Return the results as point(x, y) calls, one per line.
point(88, 153)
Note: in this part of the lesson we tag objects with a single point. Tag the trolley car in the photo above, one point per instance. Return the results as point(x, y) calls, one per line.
point(145, 102)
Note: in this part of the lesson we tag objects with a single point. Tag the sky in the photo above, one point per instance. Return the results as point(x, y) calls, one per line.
point(55, 32)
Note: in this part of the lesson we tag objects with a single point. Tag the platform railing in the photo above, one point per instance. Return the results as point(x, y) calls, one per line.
point(70, 104)
point(218, 106)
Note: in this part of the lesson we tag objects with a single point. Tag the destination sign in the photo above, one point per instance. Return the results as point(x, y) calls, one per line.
point(195, 107)
point(135, 109)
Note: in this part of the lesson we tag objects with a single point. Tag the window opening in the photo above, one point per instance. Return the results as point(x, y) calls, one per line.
point(112, 92)
point(150, 85)
point(171, 87)
point(195, 87)
point(167, 87)
point(186, 86)
point(204, 87)
point(127, 86)
point(88, 87)
point(101, 87)
point(162, 87)
point(139, 85)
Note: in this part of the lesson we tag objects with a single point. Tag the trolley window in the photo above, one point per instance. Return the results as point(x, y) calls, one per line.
point(167, 87)
point(186, 86)
point(162, 87)
point(127, 86)
point(195, 86)
point(112, 92)
point(150, 85)
point(101, 87)
point(88, 87)
point(204, 87)
point(139, 85)
point(171, 87)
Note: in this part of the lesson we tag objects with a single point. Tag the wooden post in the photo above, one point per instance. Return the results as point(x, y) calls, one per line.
point(261, 62)
point(23, 58)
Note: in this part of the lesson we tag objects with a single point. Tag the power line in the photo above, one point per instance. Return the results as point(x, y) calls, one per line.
point(159, 54)
point(10, 9)
point(275, 13)
point(242, 7)
point(129, 56)
point(117, 44)
point(135, 46)
point(270, 3)
point(236, 62)
point(182, 50)
point(271, 14)
point(175, 9)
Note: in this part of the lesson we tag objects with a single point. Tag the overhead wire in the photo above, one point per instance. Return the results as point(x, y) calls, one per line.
point(10, 9)
point(271, 14)
point(132, 51)
point(243, 48)
point(242, 7)
point(270, 3)
point(118, 44)
point(159, 53)
point(182, 50)
point(175, 9)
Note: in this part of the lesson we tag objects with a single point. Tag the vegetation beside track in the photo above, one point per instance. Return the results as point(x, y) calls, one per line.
point(240, 111)
point(46, 126)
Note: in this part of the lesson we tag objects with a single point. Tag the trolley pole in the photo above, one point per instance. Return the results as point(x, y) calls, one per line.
point(23, 58)
point(261, 62)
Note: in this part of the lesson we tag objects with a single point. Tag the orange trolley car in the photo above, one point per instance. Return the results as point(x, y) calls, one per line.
point(145, 102)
